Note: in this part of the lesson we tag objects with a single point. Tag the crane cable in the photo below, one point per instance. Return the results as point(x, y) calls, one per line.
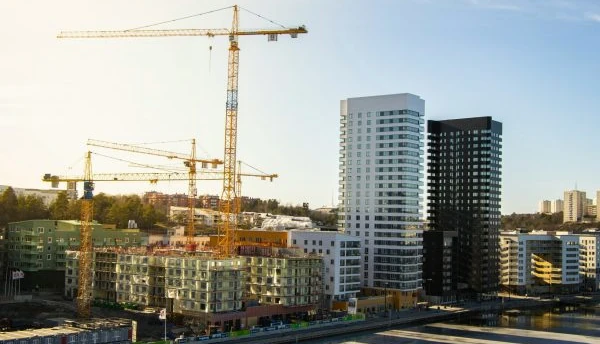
point(177, 19)
point(258, 15)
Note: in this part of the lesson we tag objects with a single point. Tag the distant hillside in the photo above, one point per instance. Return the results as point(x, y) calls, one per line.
point(549, 222)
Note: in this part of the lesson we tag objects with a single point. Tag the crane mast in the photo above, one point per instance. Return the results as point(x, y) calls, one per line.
point(226, 230)
point(84, 292)
point(191, 230)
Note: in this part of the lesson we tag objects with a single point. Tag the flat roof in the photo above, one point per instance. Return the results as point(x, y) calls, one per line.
point(69, 327)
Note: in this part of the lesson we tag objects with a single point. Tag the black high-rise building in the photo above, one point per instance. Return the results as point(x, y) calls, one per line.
point(464, 173)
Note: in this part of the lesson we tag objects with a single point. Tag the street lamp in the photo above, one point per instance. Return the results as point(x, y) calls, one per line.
point(385, 302)
point(509, 252)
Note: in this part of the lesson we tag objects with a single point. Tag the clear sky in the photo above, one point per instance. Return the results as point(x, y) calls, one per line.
point(530, 64)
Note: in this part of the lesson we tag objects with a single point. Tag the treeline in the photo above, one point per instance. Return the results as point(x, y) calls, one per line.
point(548, 222)
point(116, 210)
point(272, 206)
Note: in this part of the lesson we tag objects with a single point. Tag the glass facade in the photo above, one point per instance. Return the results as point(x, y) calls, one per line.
point(464, 182)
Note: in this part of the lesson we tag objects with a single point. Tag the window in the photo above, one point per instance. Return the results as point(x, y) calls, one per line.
point(49, 240)
point(40, 229)
point(49, 257)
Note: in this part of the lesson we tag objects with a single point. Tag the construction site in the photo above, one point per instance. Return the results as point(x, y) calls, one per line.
point(222, 286)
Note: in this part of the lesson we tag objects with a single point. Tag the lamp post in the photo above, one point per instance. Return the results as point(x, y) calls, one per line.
point(385, 299)
point(509, 271)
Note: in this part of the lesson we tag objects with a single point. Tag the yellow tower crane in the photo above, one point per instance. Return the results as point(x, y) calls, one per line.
point(84, 291)
point(227, 204)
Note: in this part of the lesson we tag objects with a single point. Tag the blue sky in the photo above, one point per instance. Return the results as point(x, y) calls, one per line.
point(530, 64)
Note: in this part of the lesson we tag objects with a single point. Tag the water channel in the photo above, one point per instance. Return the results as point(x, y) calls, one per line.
point(558, 325)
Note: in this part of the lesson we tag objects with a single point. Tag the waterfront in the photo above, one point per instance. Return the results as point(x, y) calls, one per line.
point(557, 325)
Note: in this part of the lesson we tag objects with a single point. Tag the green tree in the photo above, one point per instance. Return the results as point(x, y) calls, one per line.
point(31, 207)
point(8, 207)
point(59, 209)
point(102, 205)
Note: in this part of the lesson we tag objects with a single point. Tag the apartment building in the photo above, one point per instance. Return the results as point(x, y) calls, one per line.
point(440, 251)
point(464, 188)
point(545, 207)
point(381, 187)
point(557, 206)
point(289, 278)
point(341, 260)
point(589, 260)
point(574, 206)
point(340, 254)
point(539, 262)
point(38, 247)
point(230, 293)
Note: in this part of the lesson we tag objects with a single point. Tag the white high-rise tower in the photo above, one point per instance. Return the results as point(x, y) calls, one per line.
point(381, 186)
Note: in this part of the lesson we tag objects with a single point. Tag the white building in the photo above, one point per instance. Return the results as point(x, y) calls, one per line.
point(381, 181)
point(575, 204)
point(282, 222)
point(589, 259)
point(545, 207)
point(202, 216)
point(539, 262)
point(341, 258)
point(47, 196)
point(598, 206)
point(557, 206)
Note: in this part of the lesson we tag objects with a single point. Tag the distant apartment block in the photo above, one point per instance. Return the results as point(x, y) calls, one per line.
point(575, 206)
point(464, 188)
point(545, 207)
point(540, 262)
point(381, 187)
point(591, 211)
point(557, 206)
point(202, 216)
point(598, 206)
point(47, 196)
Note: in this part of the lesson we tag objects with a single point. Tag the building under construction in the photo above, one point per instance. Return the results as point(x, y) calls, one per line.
point(213, 293)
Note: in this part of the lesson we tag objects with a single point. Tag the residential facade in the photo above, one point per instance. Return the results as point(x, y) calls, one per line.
point(574, 206)
point(38, 247)
point(380, 191)
point(589, 260)
point(341, 261)
point(228, 293)
point(545, 207)
point(598, 206)
point(557, 206)
point(540, 262)
point(464, 197)
point(440, 250)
